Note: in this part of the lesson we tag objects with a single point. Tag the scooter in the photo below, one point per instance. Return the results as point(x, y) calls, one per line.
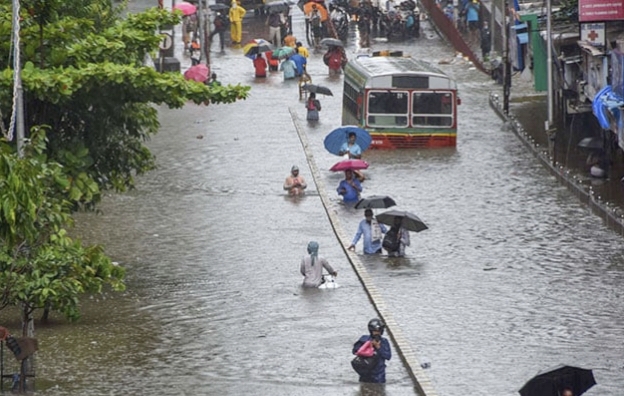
point(328, 282)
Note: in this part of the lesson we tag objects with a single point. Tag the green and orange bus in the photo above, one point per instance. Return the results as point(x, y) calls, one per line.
point(402, 102)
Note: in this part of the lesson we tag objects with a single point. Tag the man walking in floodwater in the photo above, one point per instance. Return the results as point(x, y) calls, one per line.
point(350, 188)
point(382, 351)
point(372, 232)
point(295, 184)
point(312, 267)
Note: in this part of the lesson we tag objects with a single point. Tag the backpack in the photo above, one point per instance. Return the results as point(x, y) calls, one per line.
point(220, 22)
point(326, 58)
point(364, 365)
point(391, 241)
point(314, 105)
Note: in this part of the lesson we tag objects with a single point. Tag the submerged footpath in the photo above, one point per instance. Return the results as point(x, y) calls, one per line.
point(526, 117)
point(602, 196)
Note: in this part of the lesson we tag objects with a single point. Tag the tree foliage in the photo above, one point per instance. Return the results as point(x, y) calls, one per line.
point(84, 78)
point(40, 265)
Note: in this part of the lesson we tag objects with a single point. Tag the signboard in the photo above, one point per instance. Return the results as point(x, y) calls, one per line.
point(600, 10)
point(166, 44)
point(167, 41)
point(593, 33)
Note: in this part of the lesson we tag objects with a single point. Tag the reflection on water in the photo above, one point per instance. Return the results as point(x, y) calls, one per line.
point(512, 276)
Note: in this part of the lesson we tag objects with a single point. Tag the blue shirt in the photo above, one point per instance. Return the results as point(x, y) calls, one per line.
point(365, 229)
point(352, 194)
point(288, 67)
point(354, 150)
point(300, 62)
point(472, 12)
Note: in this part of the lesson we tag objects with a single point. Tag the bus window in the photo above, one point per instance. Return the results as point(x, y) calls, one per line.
point(432, 108)
point(389, 109)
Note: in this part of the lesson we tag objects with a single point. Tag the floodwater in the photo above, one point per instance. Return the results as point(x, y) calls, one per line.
point(513, 276)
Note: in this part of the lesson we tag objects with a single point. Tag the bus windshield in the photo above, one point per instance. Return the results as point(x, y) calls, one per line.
point(388, 108)
point(432, 108)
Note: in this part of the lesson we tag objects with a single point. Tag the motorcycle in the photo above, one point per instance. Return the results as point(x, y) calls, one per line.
point(402, 23)
point(340, 20)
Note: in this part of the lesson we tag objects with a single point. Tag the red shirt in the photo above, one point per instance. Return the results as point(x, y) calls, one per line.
point(335, 60)
point(260, 65)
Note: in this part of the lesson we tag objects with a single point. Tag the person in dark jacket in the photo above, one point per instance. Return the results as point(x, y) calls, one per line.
point(220, 26)
point(486, 41)
point(382, 349)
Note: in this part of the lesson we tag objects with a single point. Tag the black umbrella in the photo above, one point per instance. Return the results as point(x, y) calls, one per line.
point(218, 7)
point(278, 6)
point(332, 42)
point(319, 89)
point(409, 221)
point(593, 143)
point(552, 381)
point(375, 202)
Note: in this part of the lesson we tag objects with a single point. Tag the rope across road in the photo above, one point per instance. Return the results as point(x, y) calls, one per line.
point(404, 350)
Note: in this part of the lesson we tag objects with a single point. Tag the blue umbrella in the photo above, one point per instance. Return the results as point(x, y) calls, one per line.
point(336, 138)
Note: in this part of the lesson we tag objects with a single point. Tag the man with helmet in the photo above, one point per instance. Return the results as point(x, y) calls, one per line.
point(381, 346)
point(312, 267)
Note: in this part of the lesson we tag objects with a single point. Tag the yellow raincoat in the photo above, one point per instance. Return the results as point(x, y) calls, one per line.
point(236, 22)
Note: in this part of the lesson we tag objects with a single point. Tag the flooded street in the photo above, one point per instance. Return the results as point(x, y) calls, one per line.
point(513, 276)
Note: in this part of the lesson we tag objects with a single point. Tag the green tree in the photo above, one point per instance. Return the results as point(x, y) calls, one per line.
point(39, 263)
point(84, 77)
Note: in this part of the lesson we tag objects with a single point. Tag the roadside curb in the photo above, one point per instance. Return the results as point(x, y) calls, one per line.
point(611, 216)
point(423, 385)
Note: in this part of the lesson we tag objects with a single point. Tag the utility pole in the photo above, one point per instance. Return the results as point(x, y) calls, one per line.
point(203, 33)
point(551, 131)
point(506, 62)
point(493, 11)
point(549, 65)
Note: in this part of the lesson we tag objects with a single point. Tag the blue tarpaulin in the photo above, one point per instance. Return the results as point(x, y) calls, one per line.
point(607, 106)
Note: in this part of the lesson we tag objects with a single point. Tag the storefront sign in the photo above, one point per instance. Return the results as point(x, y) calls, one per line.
point(600, 10)
point(593, 33)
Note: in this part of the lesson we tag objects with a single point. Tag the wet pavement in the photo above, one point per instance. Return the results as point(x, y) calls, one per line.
point(513, 276)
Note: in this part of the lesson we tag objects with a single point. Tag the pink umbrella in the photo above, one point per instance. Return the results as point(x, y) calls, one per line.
point(186, 8)
point(198, 73)
point(350, 164)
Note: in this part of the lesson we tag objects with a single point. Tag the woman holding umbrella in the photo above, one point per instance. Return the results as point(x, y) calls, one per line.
point(313, 106)
point(335, 59)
